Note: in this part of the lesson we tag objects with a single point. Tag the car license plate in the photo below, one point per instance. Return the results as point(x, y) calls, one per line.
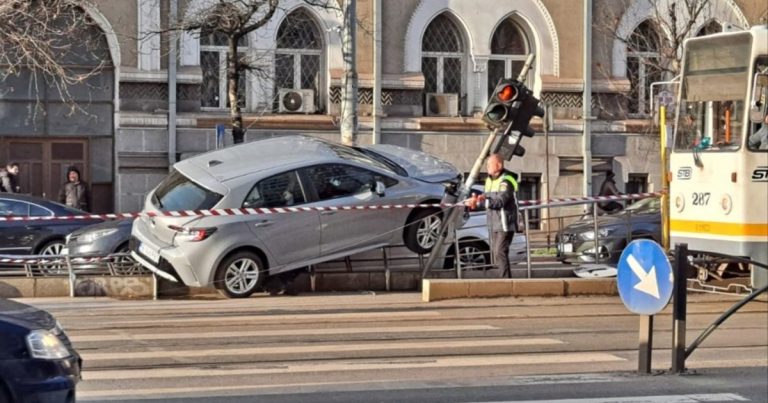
point(149, 253)
point(566, 248)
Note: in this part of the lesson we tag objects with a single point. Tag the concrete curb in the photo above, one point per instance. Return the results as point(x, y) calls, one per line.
point(435, 289)
point(441, 289)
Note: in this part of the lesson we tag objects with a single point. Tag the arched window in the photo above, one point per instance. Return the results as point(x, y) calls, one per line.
point(298, 57)
point(710, 28)
point(643, 66)
point(442, 61)
point(509, 48)
point(213, 62)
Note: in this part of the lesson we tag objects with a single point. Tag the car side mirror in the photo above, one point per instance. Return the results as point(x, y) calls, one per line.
point(381, 189)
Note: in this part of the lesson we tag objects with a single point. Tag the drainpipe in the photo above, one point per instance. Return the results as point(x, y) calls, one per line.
point(377, 112)
point(586, 140)
point(172, 18)
point(349, 92)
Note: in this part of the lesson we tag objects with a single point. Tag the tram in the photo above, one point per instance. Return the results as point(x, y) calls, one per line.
point(719, 156)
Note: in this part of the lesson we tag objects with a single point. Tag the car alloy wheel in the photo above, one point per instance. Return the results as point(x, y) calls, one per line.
point(472, 257)
point(52, 249)
point(428, 231)
point(240, 274)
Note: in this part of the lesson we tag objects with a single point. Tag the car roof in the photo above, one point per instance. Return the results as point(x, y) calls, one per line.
point(51, 205)
point(253, 157)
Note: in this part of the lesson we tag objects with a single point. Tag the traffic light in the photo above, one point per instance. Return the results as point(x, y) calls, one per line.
point(500, 104)
point(514, 105)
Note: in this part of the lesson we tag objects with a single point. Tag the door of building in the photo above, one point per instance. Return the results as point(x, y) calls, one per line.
point(43, 163)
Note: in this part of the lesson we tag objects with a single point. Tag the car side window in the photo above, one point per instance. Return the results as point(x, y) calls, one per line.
point(37, 211)
point(337, 180)
point(283, 190)
point(13, 208)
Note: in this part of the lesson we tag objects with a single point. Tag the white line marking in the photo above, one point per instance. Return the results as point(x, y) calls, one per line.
point(258, 319)
point(318, 349)
point(267, 333)
point(357, 365)
point(696, 398)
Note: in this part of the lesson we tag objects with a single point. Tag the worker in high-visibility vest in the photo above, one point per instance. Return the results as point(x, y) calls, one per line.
point(501, 210)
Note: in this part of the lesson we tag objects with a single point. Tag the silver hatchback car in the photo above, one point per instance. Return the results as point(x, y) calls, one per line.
point(236, 253)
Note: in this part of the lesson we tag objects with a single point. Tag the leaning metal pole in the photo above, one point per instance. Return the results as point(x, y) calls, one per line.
point(449, 224)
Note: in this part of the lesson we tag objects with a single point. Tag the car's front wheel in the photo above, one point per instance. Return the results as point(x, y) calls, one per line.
point(422, 231)
point(240, 274)
point(52, 250)
point(472, 255)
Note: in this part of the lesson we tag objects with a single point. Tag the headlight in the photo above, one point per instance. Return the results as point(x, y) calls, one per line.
point(44, 345)
point(602, 232)
point(92, 236)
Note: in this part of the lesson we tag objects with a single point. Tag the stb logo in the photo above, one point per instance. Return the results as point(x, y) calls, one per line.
point(760, 174)
point(684, 173)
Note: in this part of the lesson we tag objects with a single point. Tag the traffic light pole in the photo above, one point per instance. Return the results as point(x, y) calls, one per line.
point(452, 218)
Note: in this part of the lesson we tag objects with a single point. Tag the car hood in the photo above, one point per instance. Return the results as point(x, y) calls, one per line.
point(121, 224)
point(25, 315)
point(418, 164)
point(612, 220)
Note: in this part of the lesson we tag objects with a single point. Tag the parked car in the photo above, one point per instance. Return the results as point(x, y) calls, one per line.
point(641, 220)
point(100, 239)
point(43, 237)
point(37, 360)
point(474, 247)
point(237, 253)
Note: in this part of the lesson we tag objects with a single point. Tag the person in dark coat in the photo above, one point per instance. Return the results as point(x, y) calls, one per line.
point(74, 193)
point(8, 178)
point(608, 188)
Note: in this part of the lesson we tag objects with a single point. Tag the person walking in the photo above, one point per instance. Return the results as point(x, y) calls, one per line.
point(608, 188)
point(8, 178)
point(501, 210)
point(74, 193)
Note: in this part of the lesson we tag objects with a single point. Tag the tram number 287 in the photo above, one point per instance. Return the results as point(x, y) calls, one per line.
point(700, 198)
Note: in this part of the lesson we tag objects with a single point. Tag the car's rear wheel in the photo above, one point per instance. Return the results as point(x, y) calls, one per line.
point(52, 249)
point(422, 231)
point(240, 274)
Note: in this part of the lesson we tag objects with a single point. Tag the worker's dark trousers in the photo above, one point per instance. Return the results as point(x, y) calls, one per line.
point(500, 249)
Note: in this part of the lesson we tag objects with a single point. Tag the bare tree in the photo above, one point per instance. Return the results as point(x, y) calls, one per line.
point(37, 36)
point(654, 48)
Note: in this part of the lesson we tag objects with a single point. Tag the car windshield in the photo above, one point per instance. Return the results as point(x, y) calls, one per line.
point(644, 206)
point(351, 154)
point(384, 160)
point(177, 192)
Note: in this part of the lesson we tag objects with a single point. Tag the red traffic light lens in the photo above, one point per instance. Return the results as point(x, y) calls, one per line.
point(507, 93)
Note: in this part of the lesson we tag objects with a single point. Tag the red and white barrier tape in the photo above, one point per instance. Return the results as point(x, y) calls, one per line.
point(56, 260)
point(283, 210)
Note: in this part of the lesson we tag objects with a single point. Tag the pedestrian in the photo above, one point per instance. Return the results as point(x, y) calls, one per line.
point(501, 210)
point(608, 188)
point(74, 193)
point(9, 178)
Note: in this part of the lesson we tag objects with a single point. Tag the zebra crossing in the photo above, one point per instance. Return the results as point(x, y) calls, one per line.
point(183, 349)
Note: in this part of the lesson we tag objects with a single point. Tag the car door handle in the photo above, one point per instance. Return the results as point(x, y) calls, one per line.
point(328, 212)
point(263, 223)
point(33, 228)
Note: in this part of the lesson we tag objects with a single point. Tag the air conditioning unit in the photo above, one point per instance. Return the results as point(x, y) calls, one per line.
point(442, 104)
point(296, 101)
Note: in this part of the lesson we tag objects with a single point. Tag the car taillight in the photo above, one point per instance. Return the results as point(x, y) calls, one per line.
point(192, 234)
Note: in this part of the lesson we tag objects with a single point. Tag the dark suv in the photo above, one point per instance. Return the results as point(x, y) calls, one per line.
point(37, 361)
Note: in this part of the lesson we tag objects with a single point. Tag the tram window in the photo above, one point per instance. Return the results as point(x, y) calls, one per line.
point(710, 126)
point(758, 137)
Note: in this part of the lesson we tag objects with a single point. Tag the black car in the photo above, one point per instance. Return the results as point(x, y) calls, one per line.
point(43, 237)
point(37, 361)
point(641, 220)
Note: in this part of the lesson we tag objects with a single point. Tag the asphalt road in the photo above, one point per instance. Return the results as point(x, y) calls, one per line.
point(394, 348)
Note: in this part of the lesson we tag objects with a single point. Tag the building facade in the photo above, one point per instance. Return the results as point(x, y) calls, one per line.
point(437, 60)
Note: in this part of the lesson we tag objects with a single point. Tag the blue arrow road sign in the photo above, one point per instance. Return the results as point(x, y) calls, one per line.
point(644, 277)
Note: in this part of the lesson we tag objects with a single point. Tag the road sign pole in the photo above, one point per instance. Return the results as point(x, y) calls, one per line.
point(646, 344)
point(679, 308)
